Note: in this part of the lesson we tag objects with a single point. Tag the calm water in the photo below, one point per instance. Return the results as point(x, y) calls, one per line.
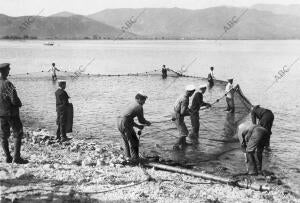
point(99, 100)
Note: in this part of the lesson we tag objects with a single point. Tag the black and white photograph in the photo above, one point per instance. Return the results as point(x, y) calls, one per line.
point(149, 101)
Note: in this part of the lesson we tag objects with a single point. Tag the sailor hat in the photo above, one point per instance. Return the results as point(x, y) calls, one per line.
point(190, 88)
point(142, 93)
point(4, 65)
point(202, 87)
point(61, 81)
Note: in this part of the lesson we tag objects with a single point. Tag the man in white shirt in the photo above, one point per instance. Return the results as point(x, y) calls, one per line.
point(229, 96)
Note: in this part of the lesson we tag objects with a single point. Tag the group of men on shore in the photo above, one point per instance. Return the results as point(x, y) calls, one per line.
point(253, 138)
point(10, 104)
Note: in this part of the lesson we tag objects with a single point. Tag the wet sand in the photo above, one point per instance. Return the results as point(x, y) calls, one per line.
point(82, 171)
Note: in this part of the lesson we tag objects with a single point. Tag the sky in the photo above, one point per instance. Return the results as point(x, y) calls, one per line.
point(84, 7)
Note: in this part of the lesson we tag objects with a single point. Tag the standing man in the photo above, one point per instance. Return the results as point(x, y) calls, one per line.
point(253, 139)
point(62, 102)
point(265, 117)
point(229, 96)
point(196, 104)
point(53, 69)
point(164, 72)
point(181, 109)
point(126, 124)
point(10, 116)
point(211, 77)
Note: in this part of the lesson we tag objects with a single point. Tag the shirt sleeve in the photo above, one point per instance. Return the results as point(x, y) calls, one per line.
point(140, 115)
point(195, 102)
point(11, 92)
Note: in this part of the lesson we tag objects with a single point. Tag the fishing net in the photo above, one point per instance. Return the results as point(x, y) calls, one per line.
point(221, 124)
point(217, 135)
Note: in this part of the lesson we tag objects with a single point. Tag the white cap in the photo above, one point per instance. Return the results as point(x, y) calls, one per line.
point(142, 93)
point(202, 86)
point(61, 81)
point(190, 88)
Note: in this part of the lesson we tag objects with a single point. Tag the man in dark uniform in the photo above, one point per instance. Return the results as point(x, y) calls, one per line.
point(62, 102)
point(253, 139)
point(164, 72)
point(197, 103)
point(265, 117)
point(10, 117)
point(126, 124)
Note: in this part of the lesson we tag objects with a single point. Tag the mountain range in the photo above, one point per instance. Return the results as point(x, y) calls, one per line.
point(261, 21)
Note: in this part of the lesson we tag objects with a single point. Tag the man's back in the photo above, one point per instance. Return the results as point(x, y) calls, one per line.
point(9, 100)
point(61, 99)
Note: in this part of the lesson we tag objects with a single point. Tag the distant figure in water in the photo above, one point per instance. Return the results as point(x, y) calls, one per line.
point(229, 91)
point(62, 102)
point(10, 104)
point(53, 69)
point(181, 109)
point(126, 124)
point(253, 139)
point(197, 103)
point(211, 78)
point(265, 117)
point(164, 72)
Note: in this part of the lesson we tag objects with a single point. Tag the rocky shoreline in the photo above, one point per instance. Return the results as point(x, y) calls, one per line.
point(81, 171)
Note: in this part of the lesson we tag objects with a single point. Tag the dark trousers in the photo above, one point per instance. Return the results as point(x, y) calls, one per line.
point(211, 83)
point(54, 77)
point(267, 122)
point(8, 122)
point(15, 123)
point(61, 124)
point(195, 124)
point(131, 142)
point(255, 147)
point(230, 104)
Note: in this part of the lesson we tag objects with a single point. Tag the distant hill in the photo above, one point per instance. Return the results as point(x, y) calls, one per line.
point(279, 9)
point(160, 23)
point(204, 23)
point(63, 14)
point(73, 27)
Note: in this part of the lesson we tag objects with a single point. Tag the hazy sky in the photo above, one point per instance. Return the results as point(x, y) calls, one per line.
point(33, 7)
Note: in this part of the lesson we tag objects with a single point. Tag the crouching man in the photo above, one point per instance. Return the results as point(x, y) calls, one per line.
point(253, 139)
point(126, 124)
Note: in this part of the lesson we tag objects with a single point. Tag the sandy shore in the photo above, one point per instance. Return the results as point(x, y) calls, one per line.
point(87, 172)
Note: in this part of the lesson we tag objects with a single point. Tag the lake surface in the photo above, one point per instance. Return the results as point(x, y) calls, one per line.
point(99, 100)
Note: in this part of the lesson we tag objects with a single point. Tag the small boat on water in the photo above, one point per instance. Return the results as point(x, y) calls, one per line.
point(49, 43)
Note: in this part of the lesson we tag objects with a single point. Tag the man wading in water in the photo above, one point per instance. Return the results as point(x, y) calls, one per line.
point(10, 117)
point(62, 102)
point(181, 109)
point(53, 69)
point(197, 103)
point(229, 96)
point(126, 124)
point(211, 78)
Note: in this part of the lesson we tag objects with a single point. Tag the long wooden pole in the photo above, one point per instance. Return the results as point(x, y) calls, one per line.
point(242, 184)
